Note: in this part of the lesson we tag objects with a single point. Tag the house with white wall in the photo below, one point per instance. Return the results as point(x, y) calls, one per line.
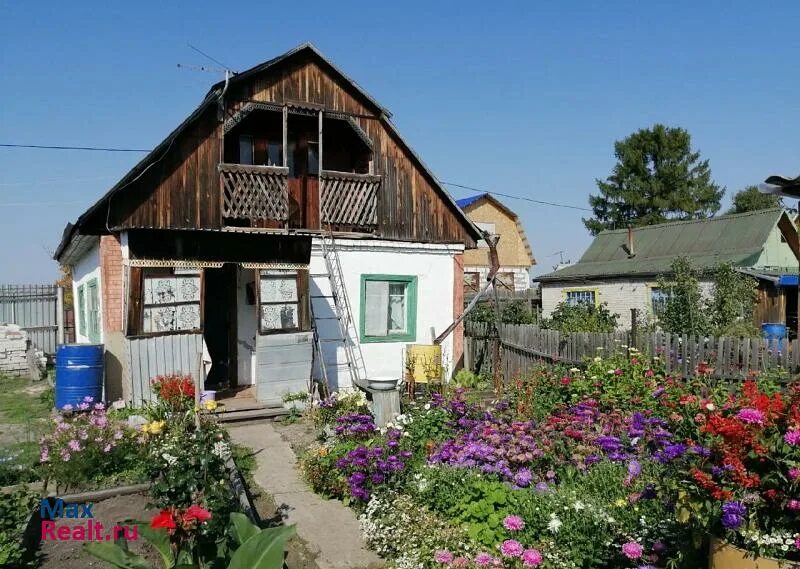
point(621, 268)
point(286, 204)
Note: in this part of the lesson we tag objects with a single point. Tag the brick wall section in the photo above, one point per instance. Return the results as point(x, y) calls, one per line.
point(458, 308)
point(111, 281)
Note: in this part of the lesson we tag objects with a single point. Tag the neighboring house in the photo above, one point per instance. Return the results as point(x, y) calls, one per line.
point(513, 249)
point(216, 238)
point(621, 267)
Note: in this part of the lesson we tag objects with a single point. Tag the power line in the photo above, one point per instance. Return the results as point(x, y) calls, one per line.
point(91, 148)
point(527, 199)
point(454, 184)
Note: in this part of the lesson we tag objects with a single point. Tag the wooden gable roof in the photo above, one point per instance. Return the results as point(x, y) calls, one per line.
point(176, 184)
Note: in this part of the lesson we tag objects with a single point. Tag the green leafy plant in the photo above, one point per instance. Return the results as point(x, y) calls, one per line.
point(15, 509)
point(581, 317)
point(467, 379)
point(730, 307)
point(251, 548)
point(684, 311)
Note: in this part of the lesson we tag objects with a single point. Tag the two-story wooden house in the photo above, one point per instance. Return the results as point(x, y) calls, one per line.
point(230, 234)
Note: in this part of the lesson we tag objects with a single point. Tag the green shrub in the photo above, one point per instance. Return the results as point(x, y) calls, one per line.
point(15, 508)
point(581, 317)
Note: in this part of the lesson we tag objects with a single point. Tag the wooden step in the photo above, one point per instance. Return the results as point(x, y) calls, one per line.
point(252, 414)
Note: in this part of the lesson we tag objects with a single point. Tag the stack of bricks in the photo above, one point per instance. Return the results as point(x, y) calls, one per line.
point(13, 349)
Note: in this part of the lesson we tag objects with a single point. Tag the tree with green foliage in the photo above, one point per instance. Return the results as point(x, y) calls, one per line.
point(657, 178)
point(512, 312)
point(750, 199)
point(684, 312)
point(730, 307)
point(581, 317)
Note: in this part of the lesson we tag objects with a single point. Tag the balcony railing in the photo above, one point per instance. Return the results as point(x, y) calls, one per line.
point(349, 200)
point(254, 192)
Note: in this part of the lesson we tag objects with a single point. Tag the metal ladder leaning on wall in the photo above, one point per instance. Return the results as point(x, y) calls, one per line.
point(343, 314)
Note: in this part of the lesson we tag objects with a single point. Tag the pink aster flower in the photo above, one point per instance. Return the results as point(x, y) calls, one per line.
point(460, 563)
point(649, 373)
point(513, 523)
point(632, 550)
point(483, 559)
point(797, 543)
point(750, 415)
point(74, 445)
point(443, 556)
point(511, 548)
point(792, 438)
point(793, 505)
point(618, 371)
point(531, 558)
point(794, 474)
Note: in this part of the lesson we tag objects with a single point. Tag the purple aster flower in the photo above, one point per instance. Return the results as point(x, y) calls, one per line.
point(483, 559)
point(792, 438)
point(523, 478)
point(542, 487)
point(513, 523)
point(632, 550)
point(511, 548)
point(443, 557)
point(750, 415)
point(733, 514)
point(531, 558)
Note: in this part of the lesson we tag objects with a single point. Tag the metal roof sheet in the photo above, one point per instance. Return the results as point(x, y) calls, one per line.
point(737, 239)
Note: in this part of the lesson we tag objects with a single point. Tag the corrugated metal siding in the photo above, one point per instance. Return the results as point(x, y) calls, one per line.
point(32, 308)
point(158, 355)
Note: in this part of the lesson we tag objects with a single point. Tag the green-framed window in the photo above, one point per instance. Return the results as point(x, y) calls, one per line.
point(388, 308)
point(93, 311)
point(82, 310)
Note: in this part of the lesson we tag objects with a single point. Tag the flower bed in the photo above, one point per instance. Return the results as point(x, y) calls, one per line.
point(615, 467)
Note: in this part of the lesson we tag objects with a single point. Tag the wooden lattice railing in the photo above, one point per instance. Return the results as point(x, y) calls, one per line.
point(254, 192)
point(349, 199)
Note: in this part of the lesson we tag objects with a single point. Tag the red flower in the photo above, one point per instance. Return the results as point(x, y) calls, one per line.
point(197, 513)
point(163, 519)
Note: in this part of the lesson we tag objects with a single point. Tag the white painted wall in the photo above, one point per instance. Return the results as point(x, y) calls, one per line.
point(620, 295)
point(84, 270)
point(433, 265)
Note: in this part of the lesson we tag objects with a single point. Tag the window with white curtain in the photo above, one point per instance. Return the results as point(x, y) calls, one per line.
point(388, 308)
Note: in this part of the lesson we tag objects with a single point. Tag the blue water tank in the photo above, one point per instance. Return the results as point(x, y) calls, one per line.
point(79, 374)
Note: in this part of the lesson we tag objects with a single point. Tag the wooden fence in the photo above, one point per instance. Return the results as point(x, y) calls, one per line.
point(524, 347)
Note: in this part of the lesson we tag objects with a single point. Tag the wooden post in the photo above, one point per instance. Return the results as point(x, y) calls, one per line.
point(198, 385)
point(60, 314)
point(634, 328)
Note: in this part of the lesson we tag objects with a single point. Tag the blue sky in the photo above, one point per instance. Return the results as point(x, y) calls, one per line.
point(522, 98)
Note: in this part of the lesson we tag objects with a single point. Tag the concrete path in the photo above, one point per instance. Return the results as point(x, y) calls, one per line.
point(330, 530)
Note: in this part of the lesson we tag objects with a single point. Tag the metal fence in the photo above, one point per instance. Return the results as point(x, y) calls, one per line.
point(523, 347)
point(34, 308)
point(159, 355)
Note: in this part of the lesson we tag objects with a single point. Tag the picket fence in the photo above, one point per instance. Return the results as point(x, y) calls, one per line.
point(523, 347)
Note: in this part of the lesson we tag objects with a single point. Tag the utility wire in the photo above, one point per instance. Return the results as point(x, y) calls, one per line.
point(92, 148)
point(453, 184)
point(204, 54)
point(527, 199)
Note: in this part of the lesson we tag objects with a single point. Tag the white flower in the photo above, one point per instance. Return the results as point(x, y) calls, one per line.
point(554, 525)
point(221, 449)
point(598, 359)
point(169, 459)
point(578, 506)
point(427, 406)
point(711, 407)
point(574, 369)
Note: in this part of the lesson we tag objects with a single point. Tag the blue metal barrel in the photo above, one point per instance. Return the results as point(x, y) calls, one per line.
point(79, 374)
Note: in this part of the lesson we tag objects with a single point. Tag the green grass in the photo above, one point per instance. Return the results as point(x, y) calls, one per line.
point(19, 403)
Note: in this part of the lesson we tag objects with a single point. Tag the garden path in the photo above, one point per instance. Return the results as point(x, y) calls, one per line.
point(329, 529)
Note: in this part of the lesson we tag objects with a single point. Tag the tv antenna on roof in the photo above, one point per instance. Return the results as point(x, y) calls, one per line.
point(207, 68)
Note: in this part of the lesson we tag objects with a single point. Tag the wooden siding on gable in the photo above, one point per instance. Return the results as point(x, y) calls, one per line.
point(181, 187)
point(512, 248)
point(409, 207)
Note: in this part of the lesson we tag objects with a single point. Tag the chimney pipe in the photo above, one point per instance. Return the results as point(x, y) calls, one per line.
point(631, 252)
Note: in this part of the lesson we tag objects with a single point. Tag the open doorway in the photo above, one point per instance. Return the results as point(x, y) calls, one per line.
point(219, 312)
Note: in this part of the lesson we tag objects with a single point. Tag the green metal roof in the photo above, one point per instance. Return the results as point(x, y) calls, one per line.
point(737, 239)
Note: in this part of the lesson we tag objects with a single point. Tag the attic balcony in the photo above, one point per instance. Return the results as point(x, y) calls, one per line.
point(260, 196)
